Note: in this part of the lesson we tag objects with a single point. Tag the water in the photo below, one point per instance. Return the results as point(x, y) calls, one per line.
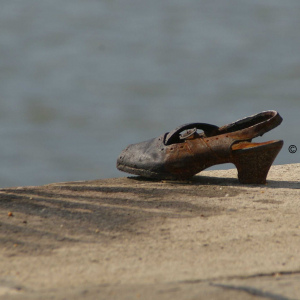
point(80, 80)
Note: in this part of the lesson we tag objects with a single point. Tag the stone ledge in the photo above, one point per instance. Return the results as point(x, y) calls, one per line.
point(211, 238)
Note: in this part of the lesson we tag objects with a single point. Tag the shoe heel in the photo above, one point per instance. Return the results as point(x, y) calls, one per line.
point(254, 163)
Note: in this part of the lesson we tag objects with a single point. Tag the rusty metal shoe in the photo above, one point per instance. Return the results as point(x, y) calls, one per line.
point(184, 152)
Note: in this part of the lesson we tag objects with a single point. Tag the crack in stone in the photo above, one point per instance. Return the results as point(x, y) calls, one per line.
point(243, 277)
point(252, 291)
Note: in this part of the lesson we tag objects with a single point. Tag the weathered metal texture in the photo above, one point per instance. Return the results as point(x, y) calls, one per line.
point(178, 155)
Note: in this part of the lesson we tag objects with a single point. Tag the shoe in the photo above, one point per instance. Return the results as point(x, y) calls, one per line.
point(184, 152)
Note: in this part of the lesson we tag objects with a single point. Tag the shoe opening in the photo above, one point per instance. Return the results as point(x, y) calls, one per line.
point(246, 144)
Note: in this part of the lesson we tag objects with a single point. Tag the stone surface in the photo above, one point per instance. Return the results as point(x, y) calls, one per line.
point(127, 238)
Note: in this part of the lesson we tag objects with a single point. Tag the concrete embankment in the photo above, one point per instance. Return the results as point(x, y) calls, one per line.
point(127, 238)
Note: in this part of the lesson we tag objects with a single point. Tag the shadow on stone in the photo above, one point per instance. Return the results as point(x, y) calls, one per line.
point(86, 212)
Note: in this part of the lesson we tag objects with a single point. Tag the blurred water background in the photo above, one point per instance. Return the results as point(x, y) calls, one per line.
point(80, 80)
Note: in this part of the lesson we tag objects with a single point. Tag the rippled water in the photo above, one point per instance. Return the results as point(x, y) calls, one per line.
point(79, 80)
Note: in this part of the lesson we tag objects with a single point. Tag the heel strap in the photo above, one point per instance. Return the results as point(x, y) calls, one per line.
point(253, 126)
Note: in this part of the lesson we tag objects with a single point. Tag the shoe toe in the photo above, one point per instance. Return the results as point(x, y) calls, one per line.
point(142, 159)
